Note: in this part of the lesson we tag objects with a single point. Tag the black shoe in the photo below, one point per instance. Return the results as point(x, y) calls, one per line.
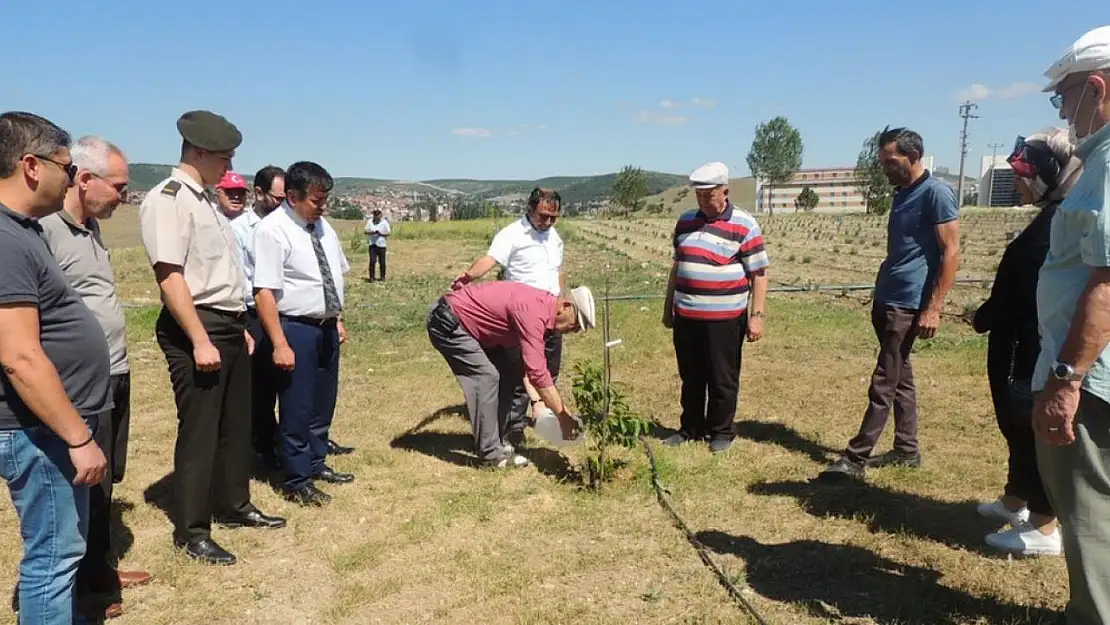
point(678, 438)
point(895, 458)
point(207, 551)
point(254, 518)
point(331, 476)
point(843, 469)
point(15, 599)
point(335, 449)
point(307, 495)
point(720, 445)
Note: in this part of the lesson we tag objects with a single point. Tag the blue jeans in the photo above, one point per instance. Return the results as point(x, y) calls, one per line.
point(306, 399)
point(53, 520)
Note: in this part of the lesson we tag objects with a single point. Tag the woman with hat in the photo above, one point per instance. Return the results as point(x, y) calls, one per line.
point(1044, 171)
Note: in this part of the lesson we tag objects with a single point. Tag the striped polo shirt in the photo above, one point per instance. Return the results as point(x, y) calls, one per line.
point(714, 259)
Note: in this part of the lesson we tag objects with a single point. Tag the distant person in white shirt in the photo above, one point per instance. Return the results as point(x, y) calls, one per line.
point(298, 289)
point(531, 252)
point(379, 230)
point(269, 193)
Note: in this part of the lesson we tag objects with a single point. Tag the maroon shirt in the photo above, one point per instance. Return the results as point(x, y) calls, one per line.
point(509, 314)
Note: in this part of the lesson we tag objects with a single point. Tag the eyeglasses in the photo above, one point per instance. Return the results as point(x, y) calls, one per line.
point(1057, 101)
point(70, 169)
point(120, 187)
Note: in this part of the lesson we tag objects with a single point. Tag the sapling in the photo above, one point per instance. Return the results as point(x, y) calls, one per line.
point(619, 426)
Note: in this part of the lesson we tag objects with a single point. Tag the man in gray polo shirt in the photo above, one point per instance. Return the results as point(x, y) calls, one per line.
point(73, 235)
point(54, 374)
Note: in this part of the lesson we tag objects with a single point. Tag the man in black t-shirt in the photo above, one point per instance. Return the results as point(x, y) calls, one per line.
point(54, 384)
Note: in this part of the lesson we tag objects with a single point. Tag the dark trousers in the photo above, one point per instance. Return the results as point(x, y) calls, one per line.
point(891, 384)
point(212, 460)
point(263, 389)
point(709, 356)
point(97, 572)
point(1013, 407)
point(377, 254)
point(306, 398)
point(520, 402)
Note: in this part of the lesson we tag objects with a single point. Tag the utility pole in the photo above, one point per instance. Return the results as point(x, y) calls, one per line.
point(965, 113)
point(994, 154)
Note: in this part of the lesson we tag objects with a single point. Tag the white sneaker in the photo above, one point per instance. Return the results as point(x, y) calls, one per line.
point(1026, 540)
point(509, 461)
point(995, 510)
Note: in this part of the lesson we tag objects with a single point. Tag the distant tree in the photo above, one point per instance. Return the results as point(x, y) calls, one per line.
point(629, 189)
point(807, 200)
point(426, 205)
point(872, 183)
point(776, 154)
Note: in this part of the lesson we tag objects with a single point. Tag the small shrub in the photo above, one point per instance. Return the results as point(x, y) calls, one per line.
point(620, 428)
point(806, 260)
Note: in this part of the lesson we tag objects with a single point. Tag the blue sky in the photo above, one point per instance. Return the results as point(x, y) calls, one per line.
point(524, 89)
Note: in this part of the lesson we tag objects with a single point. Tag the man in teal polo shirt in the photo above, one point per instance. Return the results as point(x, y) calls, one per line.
point(1072, 412)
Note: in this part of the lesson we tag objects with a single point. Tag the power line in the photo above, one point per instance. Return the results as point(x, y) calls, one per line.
point(965, 113)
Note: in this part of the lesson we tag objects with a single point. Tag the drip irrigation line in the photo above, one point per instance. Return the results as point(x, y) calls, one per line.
point(703, 552)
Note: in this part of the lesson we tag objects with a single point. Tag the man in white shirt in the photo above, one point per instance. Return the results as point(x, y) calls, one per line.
point(269, 193)
point(531, 252)
point(379, 230)
point(298, 290)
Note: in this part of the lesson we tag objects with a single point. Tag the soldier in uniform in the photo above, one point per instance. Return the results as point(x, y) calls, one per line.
point(202, 332)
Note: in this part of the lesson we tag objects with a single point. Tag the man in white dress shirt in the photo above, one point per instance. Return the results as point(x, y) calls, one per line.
point(298, 291)
point(531, 252)
point(269, 193)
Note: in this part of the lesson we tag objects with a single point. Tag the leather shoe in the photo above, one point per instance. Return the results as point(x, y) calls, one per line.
point(335, 449)
point(131, 579)
point(307, 495)
point(208, 551)
point(254, 518)
point(331, 476)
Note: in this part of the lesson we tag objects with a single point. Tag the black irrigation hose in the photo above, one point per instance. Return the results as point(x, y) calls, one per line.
point(703, 552)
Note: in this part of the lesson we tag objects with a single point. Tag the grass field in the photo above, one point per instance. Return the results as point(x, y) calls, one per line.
point(422, 537)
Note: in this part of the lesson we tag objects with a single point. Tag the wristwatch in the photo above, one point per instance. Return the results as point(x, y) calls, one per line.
point(1066, 373)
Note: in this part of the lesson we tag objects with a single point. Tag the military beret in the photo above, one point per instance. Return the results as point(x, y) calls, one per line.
point(209, 131)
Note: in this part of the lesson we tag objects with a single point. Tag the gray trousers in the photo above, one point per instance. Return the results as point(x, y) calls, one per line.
point(1077, 480)
point(488, 379)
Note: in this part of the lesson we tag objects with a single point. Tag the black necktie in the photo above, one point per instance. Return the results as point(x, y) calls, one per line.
point(331, 295)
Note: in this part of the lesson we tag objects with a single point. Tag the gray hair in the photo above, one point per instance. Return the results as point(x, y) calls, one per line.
point(1059, 144)
point(26, 133)
point(93, 154)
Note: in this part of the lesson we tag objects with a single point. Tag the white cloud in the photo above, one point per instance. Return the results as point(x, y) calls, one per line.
point(704, 103)
point(979, 92)
point(670, 104)
point(647, 117)
point(471, 132)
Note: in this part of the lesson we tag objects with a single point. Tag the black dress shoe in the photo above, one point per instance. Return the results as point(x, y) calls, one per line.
point(331, 476)
point(335, 449)
point(207, 551)
point(307, 495)
point(254, 518)
point(15, 599)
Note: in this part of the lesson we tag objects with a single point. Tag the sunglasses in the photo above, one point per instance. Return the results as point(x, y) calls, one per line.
point(1033, 160)
point(70, 169)
point(120, 187)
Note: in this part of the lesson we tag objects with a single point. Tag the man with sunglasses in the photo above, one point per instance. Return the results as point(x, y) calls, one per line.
point(530, 251)
point(269, 193)
point(73, 235)
point(1071, 415)
point(203, 333)
point(54, 374)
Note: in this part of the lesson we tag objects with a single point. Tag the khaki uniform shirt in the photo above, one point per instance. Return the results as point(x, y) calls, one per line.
point(84, 260)
point(182, 225)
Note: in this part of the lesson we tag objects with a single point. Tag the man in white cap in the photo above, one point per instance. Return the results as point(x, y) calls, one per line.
point(486, 332)
point(1072, 412)
point(715, 297)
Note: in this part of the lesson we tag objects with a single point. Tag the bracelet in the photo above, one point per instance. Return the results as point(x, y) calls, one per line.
point(90, 439)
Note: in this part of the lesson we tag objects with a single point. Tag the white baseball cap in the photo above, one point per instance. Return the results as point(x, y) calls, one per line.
point(584, 301)
point(1089, 53)
point(709, 175)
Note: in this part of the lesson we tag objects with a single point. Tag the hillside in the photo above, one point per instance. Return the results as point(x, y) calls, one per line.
point(679, 198)
point(572, 188)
